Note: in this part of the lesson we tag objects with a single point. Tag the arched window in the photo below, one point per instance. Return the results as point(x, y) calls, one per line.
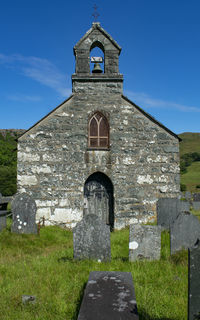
point(98, 131)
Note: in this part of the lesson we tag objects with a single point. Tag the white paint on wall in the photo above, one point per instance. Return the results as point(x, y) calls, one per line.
point(144, 179)
point(64, 203)
point(41, 169)
point(162, 178)
point(163, 189)
point(67, 215)
point(27, 157)
point(26, 180)
point(43, 212)
point(159, 158)
point(128, 160)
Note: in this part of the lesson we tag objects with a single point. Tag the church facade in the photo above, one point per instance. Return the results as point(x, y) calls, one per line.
point(98, 152)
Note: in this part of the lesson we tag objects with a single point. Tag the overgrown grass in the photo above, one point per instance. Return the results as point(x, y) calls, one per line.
point(196, 213)
point(192, 178)
point(44, 266)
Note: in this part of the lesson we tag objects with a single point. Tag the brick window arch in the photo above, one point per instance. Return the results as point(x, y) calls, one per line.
point(98, 131)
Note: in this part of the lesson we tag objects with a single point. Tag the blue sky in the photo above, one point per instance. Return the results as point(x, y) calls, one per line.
point(160, 57)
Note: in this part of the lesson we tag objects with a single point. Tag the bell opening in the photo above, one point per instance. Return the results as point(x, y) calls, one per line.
point(97, 68)
point(96, 60)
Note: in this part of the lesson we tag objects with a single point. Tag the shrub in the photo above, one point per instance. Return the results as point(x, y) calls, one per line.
point(183, 187)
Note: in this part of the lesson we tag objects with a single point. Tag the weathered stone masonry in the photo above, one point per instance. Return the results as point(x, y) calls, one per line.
point(54, 160)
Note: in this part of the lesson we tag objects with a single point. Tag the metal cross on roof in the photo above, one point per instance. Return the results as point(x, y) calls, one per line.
point(95, 14)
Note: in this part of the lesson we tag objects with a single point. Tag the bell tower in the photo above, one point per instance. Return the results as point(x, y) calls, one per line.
point(96, 37)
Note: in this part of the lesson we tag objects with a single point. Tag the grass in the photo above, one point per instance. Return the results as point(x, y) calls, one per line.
point(44, 266)
point(192, 177)
point(196, 213)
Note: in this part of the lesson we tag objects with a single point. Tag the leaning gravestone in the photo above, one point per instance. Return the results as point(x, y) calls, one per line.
point(24, 211)
point(144, 242)
point(184, 232)
point(194, 283)
point(109, 295)
point(3, 214)
point(168, 210)
point(91, 238)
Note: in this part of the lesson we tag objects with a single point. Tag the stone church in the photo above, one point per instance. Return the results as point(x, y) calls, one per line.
point(98, 152)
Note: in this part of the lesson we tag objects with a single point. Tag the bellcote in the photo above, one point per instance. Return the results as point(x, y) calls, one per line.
point(96, 37)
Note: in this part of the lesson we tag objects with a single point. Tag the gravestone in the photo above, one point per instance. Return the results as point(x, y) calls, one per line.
point(109, 295)
point(2, 219)
point(168, 210)
point(91, 238)
point(144, 242)
point(196, 196)
point(184, 232)
point(188, 195)
point(194, 283)
point(196, 205)
point(24, 211)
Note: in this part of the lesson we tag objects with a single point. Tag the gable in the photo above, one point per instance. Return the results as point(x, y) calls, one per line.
point(45, 118)
point(92, 35)
point(148, 116)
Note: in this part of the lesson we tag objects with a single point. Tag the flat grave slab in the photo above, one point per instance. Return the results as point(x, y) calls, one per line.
point(109, 295)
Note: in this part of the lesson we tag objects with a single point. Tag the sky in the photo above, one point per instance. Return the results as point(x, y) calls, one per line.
point(160, 57)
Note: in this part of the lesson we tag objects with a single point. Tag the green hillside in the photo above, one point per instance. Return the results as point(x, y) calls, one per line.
point(192, 177)
point(8, 160)
point(189, 145)
point(190, 142)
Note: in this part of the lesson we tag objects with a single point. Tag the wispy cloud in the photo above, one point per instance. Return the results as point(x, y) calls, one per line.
point(40, 70)
point(24, 98)
point(147, 101)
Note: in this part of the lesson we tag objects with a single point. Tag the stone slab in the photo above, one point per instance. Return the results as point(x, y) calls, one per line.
point(144, 242)
point(24, 211)
point(168, 210)
point(184, 232)
point(109, 295)
point(194, 283)
point(91, 239)
point(3, 219)
point(26, 299)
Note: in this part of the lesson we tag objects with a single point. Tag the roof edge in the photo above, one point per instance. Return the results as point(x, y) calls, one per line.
point(45, 116)
point(152, 118)
point(96, 25)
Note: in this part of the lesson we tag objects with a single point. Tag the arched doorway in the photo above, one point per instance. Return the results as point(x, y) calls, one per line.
point(98, 197)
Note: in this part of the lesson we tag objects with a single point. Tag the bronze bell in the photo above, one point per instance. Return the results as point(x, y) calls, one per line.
point(97, 68)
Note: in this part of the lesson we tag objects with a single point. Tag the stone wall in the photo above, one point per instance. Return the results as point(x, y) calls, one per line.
point(54, 160)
